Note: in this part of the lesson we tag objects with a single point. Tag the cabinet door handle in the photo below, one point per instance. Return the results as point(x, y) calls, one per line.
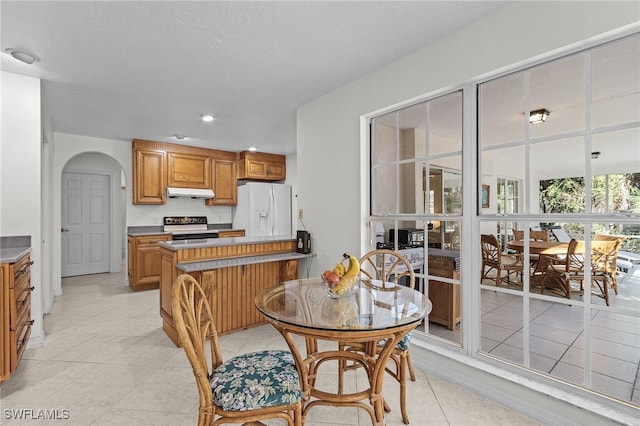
point(31, 288)
point(64, 230)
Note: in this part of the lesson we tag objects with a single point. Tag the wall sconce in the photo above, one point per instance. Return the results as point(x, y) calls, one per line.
point(595, 155)
point(539, 116)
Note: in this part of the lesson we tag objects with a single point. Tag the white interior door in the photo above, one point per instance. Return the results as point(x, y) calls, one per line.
point(85, 224)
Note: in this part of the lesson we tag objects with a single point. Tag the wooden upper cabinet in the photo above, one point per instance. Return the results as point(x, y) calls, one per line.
point(189, 170)
point(261, 166)
point(149, 174)
point(158, 165)
point(225, 182)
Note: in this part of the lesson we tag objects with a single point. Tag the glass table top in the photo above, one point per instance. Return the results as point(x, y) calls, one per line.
point(375, 305)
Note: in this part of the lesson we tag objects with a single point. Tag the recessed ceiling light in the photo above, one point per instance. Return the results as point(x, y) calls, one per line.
point(179, 137)
point(252, 148)
point(23, 56)
point(207, 118)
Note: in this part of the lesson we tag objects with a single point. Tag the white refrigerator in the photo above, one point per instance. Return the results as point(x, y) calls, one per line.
point(263, 209)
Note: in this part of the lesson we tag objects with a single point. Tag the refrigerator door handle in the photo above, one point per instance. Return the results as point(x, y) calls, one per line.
point(272, 209)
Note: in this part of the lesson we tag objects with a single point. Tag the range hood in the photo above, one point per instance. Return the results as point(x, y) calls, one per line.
point(190, 193)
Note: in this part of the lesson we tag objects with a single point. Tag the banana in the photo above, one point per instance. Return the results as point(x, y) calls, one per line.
point(349, 278)
point(340, 270)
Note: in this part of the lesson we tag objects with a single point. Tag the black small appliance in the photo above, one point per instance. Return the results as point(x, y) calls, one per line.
point(304, 242)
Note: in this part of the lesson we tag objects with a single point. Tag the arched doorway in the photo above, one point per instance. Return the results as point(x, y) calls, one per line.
point(92, 215)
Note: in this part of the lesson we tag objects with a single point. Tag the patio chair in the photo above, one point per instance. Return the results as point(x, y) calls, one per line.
point(229, 391)
point(560, 234)
point(612, 264)
point(494, 259)
point(561, 273)
point(388, 266)
point(534, 235)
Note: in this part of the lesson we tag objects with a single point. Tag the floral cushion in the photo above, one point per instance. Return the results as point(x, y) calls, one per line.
point(256, 380)
point(403, 344)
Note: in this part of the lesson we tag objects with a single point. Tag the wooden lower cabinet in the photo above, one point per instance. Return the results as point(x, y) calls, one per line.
point(15, 315)
point(445, 297)
point(144, 261)
point(232, 290)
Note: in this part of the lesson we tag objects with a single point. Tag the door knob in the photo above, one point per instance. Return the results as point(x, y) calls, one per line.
point(64, 230)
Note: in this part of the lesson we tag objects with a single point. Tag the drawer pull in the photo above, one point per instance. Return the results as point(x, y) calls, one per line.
point(31, 322)
point(31, 288)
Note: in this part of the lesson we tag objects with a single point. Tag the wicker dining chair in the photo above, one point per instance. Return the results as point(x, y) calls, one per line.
point(388, 266)
point(611, 267)
point(494, 259)
point(247, 388)
point(561, 273)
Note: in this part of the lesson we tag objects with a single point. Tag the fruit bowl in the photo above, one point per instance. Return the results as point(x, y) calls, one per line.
point(342, 281)
point(332, 290)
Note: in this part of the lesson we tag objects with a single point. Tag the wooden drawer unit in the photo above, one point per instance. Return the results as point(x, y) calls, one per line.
point(15, 319)
point(261, 166)
point(144, 261)
point(445, 297)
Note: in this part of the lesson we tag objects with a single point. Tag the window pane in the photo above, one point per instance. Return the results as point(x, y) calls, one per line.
point(502, 110)
point(384, 190)
point(443, 274)
point(566, 105)
point(445, 124)
point(615, 83)
point(384, 146)
point(411, 190)
point(411, 122)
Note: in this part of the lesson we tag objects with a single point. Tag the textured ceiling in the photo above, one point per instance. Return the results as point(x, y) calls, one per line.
point(124, 70)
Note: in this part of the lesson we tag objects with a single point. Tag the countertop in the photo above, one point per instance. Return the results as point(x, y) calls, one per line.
point(140, 231)
point(222, 242)
point(13, 248)
point(238, 261)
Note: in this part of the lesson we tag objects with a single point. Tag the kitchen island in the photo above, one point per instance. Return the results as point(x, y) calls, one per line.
point(231, 271)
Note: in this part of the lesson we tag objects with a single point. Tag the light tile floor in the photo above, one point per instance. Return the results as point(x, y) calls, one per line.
point(107, 361)
point(557, 337)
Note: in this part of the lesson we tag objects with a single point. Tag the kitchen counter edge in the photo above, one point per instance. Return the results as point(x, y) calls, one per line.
point(13, 254)
point(222, 242)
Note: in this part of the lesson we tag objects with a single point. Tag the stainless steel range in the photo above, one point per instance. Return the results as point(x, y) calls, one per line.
point(414, 255)
point(188, 228)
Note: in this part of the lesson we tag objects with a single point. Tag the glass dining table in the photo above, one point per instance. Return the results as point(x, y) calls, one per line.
point(378, 314)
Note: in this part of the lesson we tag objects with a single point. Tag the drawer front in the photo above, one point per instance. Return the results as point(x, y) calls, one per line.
point(21, 332)
point(22, 272)
point(152, 240)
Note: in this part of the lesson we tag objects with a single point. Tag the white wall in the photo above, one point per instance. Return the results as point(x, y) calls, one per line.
point(332, 156)
point(20, 163)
